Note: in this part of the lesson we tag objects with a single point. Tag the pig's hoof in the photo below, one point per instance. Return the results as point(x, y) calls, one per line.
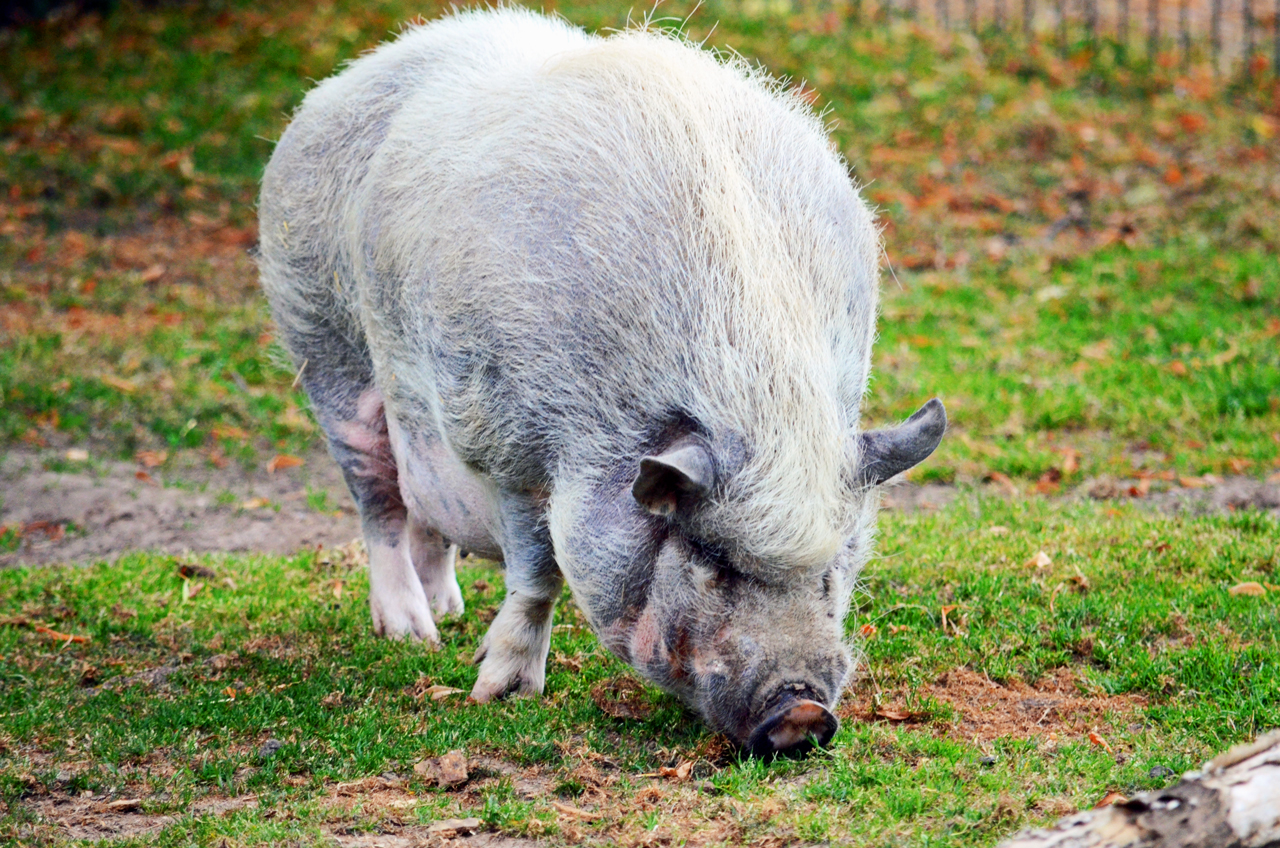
point(446, 598)
point(404, 619)
point(503, 680)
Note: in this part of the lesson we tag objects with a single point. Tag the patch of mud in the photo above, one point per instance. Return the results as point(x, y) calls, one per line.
point(913, 497)
point(103, 509)
point(987, 710)
point(1231, 494)
point(1223, 495)
point(423, 836)
point(93, 819)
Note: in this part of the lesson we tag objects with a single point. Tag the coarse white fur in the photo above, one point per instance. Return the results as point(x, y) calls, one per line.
point(430, 160)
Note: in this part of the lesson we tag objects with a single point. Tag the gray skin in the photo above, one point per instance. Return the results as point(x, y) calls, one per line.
point(509, 335)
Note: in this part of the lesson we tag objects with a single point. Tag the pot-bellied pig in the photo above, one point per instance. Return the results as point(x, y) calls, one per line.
point(602, 308)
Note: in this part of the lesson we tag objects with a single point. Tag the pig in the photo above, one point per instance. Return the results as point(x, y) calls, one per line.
point(601, 309)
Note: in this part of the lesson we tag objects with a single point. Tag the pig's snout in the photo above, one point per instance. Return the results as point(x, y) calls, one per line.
point(795, 726)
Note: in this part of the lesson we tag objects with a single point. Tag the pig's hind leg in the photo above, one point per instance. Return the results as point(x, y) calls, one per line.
point(434, 561)
point(360, 444)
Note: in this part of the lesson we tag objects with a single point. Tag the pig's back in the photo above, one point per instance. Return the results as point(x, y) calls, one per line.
point(323, 159)
point(621, 236)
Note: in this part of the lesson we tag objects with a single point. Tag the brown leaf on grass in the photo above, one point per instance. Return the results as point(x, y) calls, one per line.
point(58, 636)
point(331, 700)
point(439, 693)
point(1070, 461)
point(1179, 368)
point(1192, 482)
point(1250, 588)
point(680, 773)
point(150, 458)
point(1048, 482)
point(897, 715)
point(1098, 351)
point(1111, 798)
point(123, 805)
point(144, 477)
point(453, 828)
point(1239, 465)
point(895, 629)
point(118, 383)
point(190, 590)
point(1003, 481)
point(1100, 742)
point(1141, 489)
point(1039, 560)
point(446, 771)
point(868, 630)
point(574, 812)
point(153, 273)
point(76, 455)
point(283, 460)
point(191, 569)
point(230, 431)
point(621, 697)
point(255, 503)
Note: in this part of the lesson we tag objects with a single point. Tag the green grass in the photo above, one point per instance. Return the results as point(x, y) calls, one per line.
point(268, 649)
point(1062, 232)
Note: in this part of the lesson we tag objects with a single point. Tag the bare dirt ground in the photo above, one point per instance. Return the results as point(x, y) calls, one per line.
point(101, 509)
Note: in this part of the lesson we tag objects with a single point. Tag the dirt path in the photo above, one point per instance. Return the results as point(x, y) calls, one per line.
point(102, 509)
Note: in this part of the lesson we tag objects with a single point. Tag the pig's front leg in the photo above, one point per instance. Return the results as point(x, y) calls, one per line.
point(513, 655)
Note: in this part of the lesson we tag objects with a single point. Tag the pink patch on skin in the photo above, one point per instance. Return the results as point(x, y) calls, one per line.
point(645, 638)
point(367, 433)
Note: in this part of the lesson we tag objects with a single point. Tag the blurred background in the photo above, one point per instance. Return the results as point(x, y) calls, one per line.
point(1080, 203)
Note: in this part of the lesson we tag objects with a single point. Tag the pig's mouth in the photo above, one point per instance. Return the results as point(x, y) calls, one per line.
point(795, 723)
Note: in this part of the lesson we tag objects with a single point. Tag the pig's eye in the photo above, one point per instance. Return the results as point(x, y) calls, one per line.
point(714, 560)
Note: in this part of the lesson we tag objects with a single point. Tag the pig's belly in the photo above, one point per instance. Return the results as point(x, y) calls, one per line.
point(441, 493)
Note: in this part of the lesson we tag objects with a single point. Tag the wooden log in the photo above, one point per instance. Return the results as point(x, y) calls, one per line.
point(1234, 802)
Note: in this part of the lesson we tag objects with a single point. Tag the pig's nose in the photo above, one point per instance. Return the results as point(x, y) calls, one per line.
point(793, 730)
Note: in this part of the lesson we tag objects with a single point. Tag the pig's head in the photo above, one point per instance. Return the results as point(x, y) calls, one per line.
point(762, 657)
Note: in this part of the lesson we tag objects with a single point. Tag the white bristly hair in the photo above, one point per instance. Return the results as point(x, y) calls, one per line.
point(551, 239)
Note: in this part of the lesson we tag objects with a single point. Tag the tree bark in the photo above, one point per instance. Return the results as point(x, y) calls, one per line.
point(1233, 803)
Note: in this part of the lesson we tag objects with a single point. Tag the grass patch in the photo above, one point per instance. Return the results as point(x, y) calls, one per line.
point(1130, 633)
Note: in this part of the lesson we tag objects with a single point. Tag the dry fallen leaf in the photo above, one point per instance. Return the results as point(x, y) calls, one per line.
point(574, 812)
point(1111, 798)
point(621, 697)
point(1003, 481)
point(150, 458)
point(255, 503)
point(1039, 560)
point(1178, 368)
point(190, 590)
point(144, 477)
point(118, 383)
point(1070, 461)
point(283, 460)
point(895, 629)
point(1191, 482)
point(76, 455)
point(1250, 588)
point(445, 771)
point(680, 773)
point(1141, 489)
point(1100, 742)
point(1239, 465)
point(451, 828)
point(333, 699)
point(57, 636)
point(439, 693)
point(153, 273)
point(868, 630)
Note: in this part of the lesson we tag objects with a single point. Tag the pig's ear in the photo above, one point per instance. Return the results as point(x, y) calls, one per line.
point(884, 453)
point(675, 478)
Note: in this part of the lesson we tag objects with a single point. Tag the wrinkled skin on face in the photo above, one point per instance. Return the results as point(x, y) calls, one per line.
point(757, 648)
point(734, 647)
